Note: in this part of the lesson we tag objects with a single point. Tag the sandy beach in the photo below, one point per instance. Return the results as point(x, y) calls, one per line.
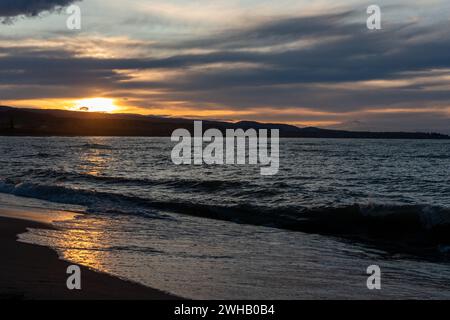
point(36, 273)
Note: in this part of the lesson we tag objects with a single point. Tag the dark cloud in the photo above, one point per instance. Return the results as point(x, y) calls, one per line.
point(14, 8)
point(271, 32)
point(264, 65)
point(354, 54)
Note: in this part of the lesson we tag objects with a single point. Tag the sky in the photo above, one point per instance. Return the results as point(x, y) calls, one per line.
point(302, 62)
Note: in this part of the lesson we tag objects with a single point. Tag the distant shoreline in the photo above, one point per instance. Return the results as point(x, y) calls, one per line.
point(60, 123)
point(168, 136)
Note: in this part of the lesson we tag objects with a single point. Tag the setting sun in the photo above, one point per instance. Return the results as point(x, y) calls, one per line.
point(96, 105)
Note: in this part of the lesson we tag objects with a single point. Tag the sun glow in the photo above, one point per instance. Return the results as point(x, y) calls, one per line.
point(96, 105)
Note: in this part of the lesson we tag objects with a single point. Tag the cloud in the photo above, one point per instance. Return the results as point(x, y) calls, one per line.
point(273, 31)
point(351, 54)
point(10, 9)
point(323, 68)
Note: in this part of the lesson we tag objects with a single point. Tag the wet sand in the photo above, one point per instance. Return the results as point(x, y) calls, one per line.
point(34, 272)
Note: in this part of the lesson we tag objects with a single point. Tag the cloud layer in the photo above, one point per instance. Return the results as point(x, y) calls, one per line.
point(321, 69)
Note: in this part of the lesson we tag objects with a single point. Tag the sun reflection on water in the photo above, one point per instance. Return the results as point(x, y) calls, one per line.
point(85, 245)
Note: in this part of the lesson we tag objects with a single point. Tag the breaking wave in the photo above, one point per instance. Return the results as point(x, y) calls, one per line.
point(405, 224)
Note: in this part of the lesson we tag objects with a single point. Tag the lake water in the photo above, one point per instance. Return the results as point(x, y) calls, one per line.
point(335, 208)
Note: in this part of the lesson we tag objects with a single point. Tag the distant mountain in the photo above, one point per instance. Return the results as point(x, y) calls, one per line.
point(38, 122)
point(381, 124)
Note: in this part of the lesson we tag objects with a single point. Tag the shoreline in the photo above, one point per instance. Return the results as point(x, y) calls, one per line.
point(33, 272)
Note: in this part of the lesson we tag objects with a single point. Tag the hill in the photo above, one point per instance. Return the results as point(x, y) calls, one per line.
point(38, 122)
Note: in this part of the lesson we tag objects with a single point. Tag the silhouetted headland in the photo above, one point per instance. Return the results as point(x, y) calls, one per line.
point(38, 122)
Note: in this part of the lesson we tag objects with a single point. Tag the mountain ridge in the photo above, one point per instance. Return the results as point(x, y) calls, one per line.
point(52, 122)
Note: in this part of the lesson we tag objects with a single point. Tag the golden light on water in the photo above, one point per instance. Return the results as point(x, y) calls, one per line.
point(85, 245)
point(96, 105)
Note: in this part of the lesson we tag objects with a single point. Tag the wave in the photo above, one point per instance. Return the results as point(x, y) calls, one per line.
point(95, 146)
point(42, 155)
point(412, 225)
point(207, 185)
point(401, 224)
